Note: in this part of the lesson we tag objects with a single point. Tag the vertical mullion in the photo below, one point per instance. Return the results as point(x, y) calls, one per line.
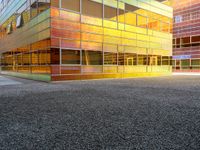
point(81, 50)
point(60, 55)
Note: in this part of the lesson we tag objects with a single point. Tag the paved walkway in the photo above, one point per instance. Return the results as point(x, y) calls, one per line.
point(186, 73)
point(6, 81)
point(144, 114)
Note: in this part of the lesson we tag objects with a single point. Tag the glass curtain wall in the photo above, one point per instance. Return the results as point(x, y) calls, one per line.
point(91, 38)
point(27, 11)
point(28, 24)
point(118, 38)
point(33, 58)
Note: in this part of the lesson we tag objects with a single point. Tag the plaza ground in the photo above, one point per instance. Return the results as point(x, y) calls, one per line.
point(123, 114)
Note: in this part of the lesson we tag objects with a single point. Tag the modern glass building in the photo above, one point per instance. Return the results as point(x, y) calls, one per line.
point(85, 39)
point(186, 42)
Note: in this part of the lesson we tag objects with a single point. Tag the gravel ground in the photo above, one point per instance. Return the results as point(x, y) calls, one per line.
point(125, 114)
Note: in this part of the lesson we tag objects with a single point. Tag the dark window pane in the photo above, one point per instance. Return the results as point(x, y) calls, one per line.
point(55, 56)
point(93, 9)
point(110, 13)
point(70, 56)
point(130, 59)
point(130, 8)
point(26, 59)
point(92, 57)
point(165, 60)
point(110, 58)
point(185, 62)
point(71, 5)
point(120, 58)
point(159, 60)
point(142, 60)
point(43, 5)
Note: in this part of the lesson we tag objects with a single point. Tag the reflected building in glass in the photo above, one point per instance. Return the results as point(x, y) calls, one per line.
point(85, 39)
point(186, 42)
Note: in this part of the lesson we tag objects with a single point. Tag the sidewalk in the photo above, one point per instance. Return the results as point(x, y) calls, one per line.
point(186, 73)
point(7, 81)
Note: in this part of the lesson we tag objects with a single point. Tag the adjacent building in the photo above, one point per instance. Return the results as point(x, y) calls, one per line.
point(186, 30)
point(85, 39)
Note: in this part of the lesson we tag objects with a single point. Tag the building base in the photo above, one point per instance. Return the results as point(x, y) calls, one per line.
point(49, 78)
point(38, 77)
point(108, 76)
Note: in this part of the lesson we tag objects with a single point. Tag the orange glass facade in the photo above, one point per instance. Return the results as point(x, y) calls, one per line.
point(88, 39)
point(186, 30)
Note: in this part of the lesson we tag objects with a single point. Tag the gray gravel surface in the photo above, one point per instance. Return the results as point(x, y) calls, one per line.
point(125, 114)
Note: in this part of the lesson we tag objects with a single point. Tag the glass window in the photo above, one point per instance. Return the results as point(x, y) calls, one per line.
point(121, 16)
point(34, 8)
point(55, 56)
point(196, 62)
point(19, 21)
point(185, 62)
point(130, 8)
point(130, 18)
point(92, 57)
point(141, 21)
point(93, 9)
point(120, 58)
point(110, 13)
point(48, 56)
point(26, 15)
point(42, 54)
point(154, 24)
point(70, 56)
point(71, 5)
point(34, 58)
point(154, 60)
point(165, 27)
point(159, 60)
point(142, 60)
point(165, 60)
point(26, 58)
point(178, 19)
point(9, 28)
point(55, 3)
point(195, 38)
point(130, 59)
point(110, 58)
point(43, 5)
